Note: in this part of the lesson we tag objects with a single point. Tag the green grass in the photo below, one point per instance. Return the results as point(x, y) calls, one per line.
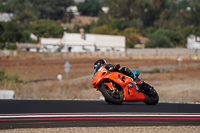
point(4, 77)
point(154, 70)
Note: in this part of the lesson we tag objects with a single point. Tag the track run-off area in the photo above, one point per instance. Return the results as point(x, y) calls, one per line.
point(89, 113)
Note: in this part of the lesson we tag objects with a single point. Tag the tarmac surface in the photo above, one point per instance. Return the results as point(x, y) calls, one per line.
point(94, 113)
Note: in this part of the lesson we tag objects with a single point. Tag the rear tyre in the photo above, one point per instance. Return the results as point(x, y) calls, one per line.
point(110, 96)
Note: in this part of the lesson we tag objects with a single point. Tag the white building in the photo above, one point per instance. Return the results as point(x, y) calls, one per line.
point(73, 9)
point(75, 42)
point(33, 37)
point(5, 17)
point(105, 9)
point(193, 42)
point(50, 44)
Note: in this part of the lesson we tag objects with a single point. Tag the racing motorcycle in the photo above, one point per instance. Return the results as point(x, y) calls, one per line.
point(117, 87)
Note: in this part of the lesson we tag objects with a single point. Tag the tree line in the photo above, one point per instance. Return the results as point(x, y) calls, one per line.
point(167, 23)
point(41, 17)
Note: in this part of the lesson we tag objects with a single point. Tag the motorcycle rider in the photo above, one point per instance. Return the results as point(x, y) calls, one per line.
point(115, 68)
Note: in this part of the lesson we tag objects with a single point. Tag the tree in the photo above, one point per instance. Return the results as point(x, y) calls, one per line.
point(159, 40)
point(24, 11)
point(119, 24)
point(68, 17)
point(1, 31)
point(47, 28)
point(43, 9)
point(147, 11)
point(151, 12)
point(11, 32)
point(5, 6)
point(131, 35)
point(165, 38)
point(89, 8)
point(195, 15)
point(104, 29)
point(120, 8)
point(51, 9)
point(26, 17)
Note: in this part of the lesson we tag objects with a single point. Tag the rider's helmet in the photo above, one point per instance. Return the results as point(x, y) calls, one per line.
point(99, 62)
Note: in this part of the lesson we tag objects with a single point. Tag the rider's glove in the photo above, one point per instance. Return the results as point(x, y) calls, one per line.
point(117, 67)
point(112, 68)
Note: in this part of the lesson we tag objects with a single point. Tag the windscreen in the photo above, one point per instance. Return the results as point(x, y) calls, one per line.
point(97, 68)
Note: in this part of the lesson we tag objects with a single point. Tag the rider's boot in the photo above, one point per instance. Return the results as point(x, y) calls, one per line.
point(146, 88)
point(127, 71)
point(143, 86)
point(138, 81)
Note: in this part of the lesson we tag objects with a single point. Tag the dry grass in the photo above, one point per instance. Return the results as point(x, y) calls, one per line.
point(67, 89)
point(172, 86)
point(181, 85)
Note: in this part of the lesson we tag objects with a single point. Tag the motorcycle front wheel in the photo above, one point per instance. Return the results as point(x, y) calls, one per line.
point(151, 99)
point(110, 95)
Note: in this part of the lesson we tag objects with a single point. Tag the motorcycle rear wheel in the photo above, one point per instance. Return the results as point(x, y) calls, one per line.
point(109, 96)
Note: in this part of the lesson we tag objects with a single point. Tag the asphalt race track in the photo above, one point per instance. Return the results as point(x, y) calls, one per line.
point(88, 113)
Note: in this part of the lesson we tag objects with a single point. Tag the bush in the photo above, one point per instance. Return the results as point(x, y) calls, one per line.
point(104, 29)
point(159, 40)
point(2, 45)
point(8, 78)
point(164, 39)
point(130, 44)
point(11, 47)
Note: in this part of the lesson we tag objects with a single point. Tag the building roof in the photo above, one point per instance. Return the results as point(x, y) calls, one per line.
point(143, 39)
point(50, 41)
point(75, 39)
point(109, 41)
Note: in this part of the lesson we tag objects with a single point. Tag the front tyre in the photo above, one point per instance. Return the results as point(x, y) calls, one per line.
point(151, 99)
point(110, 95)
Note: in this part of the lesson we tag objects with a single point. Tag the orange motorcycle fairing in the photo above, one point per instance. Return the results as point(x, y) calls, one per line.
point(131, 95)
point(109, 85)
point(98, 77)
point(102, 76)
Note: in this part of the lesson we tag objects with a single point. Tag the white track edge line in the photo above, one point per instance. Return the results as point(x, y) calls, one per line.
point(74, 116)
